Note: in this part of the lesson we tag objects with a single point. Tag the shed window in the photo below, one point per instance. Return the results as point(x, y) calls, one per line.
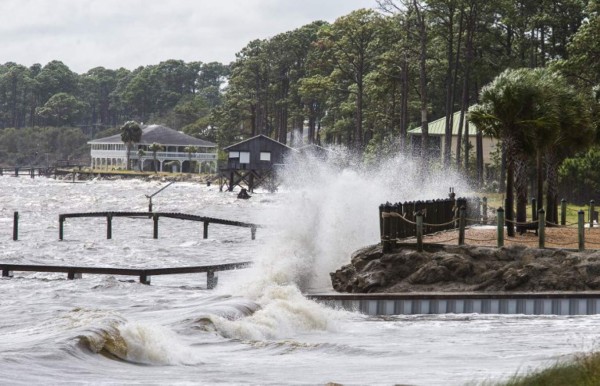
point(244, 157)
point(234, 154)
point(265, 156)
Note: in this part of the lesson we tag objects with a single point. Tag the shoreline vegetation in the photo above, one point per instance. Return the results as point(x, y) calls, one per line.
point(582, 370)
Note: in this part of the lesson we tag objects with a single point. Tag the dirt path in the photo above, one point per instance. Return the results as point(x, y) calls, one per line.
point(486, 236)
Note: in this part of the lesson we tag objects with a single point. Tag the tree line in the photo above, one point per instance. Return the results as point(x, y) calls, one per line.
point(362, 81)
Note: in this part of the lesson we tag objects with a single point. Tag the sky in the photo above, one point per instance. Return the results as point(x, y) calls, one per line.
point(85, 34)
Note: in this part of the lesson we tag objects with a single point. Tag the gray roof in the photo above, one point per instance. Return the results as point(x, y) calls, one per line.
point(159, 134)
point(258, 137)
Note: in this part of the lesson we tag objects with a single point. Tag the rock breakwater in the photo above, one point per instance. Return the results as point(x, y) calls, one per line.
point(445, 268)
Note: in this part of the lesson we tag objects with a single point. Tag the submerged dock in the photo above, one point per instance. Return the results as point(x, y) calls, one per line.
point(144, 275)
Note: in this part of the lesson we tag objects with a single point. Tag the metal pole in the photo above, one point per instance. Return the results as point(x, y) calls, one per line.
point(563, 212)
point(591, 216)
point(500, 221)
point(581, 230)
point(541, 228)
point(419, 219)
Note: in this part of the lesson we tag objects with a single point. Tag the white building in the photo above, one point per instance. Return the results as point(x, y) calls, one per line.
point(111, 152)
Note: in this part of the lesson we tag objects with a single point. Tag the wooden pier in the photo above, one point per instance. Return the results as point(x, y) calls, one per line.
point(155, 217)
point(143, 274)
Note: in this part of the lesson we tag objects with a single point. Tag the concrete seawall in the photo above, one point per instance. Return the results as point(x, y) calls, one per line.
point(549, 303)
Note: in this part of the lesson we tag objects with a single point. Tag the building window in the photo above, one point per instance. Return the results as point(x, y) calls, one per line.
point(234, 154)
point(265, 156)
point(244, 157)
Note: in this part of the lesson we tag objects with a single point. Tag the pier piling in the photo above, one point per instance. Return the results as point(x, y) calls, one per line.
point(16, 226)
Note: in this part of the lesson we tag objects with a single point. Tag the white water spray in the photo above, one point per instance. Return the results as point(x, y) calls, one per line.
point(329, 211)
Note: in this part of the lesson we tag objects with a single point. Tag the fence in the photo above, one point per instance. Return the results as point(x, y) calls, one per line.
point(397, 221)
point(401, 220)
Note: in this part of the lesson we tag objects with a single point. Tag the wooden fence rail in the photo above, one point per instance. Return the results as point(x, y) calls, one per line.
point(155, 217)
point(143, 274)
point(398, 221)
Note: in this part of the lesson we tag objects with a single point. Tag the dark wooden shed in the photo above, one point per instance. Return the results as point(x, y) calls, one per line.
point(253, 161)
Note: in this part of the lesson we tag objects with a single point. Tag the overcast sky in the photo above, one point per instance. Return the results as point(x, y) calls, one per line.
point(128, 33)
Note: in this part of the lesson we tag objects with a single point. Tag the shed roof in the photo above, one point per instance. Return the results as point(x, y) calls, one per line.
point(160, 134)
point(260, 136)
point(438, 127)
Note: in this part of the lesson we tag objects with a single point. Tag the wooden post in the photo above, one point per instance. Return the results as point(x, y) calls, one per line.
point(211, 279)
point(230, 181)
point(109, 226)
point(61, 222)
point(386, 244)
point(461, 225)
point(500, 221)
point(155, 218)
point(205, 229)
point(253, 233)
point(581, 230)
point(32, 173)
point(380, 221)
point(534, 211)
point(484, 216)
point(563, 212)
point(419, 219)
point(73, 176)
point(16, 226)
point(591, 215)
point(145, 279)
point(542, 228)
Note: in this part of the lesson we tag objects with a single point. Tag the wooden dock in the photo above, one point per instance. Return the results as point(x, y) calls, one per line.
point(144, 275)
point(155, 217)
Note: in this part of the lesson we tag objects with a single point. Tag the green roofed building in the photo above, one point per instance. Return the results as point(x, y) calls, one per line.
point(437, 130)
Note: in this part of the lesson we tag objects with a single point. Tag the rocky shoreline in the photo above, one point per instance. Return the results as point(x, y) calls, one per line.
point(451, 268)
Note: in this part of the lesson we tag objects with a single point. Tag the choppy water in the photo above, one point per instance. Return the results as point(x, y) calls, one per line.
point(256, 327)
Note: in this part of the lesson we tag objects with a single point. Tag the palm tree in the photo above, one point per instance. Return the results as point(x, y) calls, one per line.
point(507, 107)
point(190, 150)
point(131, 133)
point(155, 148)
point(575, 133)
point(141, 153)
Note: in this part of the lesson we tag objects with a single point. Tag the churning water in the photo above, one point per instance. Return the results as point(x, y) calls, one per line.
point(256, 327)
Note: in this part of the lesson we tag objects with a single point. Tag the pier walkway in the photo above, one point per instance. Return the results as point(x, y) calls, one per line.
point(155, 217)
point(143, 274)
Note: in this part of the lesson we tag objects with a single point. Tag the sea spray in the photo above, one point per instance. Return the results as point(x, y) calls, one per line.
point(330, 209)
